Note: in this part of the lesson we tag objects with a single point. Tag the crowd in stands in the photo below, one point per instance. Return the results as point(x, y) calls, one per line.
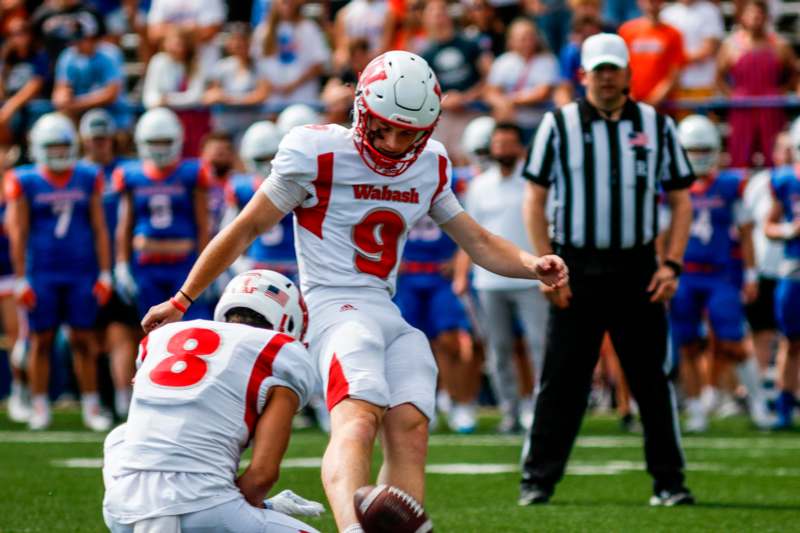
point(221, 66)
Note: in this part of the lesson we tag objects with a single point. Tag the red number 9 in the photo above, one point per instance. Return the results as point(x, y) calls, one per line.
point(376, 238)
point(185, 367)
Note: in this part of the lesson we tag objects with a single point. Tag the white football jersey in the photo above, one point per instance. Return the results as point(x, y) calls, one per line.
point(198, 392)
point(351, 229)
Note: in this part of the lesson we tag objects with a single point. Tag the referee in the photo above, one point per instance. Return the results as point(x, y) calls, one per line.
point(607, 159)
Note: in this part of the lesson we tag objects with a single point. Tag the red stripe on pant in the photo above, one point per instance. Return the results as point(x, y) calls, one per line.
point(338, 388)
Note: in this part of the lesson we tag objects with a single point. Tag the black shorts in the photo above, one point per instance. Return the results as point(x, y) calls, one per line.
point(761, 313)
point(118, 311)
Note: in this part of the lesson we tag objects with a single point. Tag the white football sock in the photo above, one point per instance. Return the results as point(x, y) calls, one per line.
point(695, 407)
point(40, 402)
point(90, 401)
point(747, 372)
point(122, 401)
point(353, 528)
point(710, 398)
point(17, 387)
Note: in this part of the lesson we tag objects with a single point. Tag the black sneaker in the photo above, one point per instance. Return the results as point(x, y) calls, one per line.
point(671, 498)
point(533, 495)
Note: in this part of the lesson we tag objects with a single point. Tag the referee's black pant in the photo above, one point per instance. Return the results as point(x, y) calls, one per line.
point(609, 293)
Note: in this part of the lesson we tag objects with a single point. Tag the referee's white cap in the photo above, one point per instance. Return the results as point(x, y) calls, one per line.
point(604, 48)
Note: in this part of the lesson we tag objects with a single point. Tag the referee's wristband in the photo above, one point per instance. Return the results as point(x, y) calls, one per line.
point(676, 267)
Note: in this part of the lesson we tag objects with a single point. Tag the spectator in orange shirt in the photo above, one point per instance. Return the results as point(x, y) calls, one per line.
point(656, 54)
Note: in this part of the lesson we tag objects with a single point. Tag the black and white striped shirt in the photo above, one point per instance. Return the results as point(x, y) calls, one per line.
point(607, 174)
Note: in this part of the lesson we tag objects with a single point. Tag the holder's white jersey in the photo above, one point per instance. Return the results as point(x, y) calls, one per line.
point(351, 227)
point(198, 392)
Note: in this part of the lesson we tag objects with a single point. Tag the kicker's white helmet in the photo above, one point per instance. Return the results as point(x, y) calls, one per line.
point(259, 145)
point(701, 140)
point(794, 136)
point(159, 137)
point(54, 142)
point(270, 294)
point(296, 115)
point(477, 137)
point(398, 88)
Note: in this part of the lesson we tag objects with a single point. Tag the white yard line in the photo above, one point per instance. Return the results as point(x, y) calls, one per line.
point(711, 443)
point(48, 437)
point(575, 468)
point(755, 446)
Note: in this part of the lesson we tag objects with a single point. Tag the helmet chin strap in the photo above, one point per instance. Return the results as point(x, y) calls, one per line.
point(376, 160)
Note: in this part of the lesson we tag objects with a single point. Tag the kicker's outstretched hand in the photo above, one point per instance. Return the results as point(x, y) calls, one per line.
point(552, 271)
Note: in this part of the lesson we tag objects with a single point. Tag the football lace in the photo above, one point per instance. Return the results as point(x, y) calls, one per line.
point(408, 499)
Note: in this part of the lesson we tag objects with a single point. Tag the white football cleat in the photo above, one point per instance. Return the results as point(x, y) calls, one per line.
point(727, 407)
point(462, 418)
point(40, 418)
point(96, 420)
point(19, 407)
point(443, 402)
point(760, 415)
point(697, 419)
point(526, 407)
point(697, 424)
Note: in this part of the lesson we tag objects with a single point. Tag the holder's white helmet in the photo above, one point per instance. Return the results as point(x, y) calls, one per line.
point(159, 137)
point(794, 136)
point(701, 140)
point(296, 115)
point(477, 136)
point(400, 89)
point(259, 145)
point(54, 142)
point(271, 295)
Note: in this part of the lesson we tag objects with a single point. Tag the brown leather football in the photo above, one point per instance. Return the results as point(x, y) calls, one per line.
point(387, 509)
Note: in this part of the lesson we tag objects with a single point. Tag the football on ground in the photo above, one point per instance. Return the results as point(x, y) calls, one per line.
point(387, 509)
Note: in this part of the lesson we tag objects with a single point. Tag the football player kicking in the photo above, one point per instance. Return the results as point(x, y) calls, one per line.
point(355, 193)
point(709, 282)
point(203, 391)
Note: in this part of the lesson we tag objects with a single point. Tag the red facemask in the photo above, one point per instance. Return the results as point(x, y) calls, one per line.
point(374, 159)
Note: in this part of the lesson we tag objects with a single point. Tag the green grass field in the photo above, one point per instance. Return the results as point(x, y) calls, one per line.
point(744, 480)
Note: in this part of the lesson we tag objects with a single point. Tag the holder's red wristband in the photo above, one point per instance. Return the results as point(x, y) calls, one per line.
point(177, 305)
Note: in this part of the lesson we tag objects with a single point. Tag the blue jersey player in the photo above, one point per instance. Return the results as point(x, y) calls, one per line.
point(60, 254)
point(164, 217)
point(119, 321)
point(783, 224)
point(711, 283)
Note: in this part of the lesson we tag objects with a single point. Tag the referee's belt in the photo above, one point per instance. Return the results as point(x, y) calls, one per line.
point(420, 267)
point(693, 267)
